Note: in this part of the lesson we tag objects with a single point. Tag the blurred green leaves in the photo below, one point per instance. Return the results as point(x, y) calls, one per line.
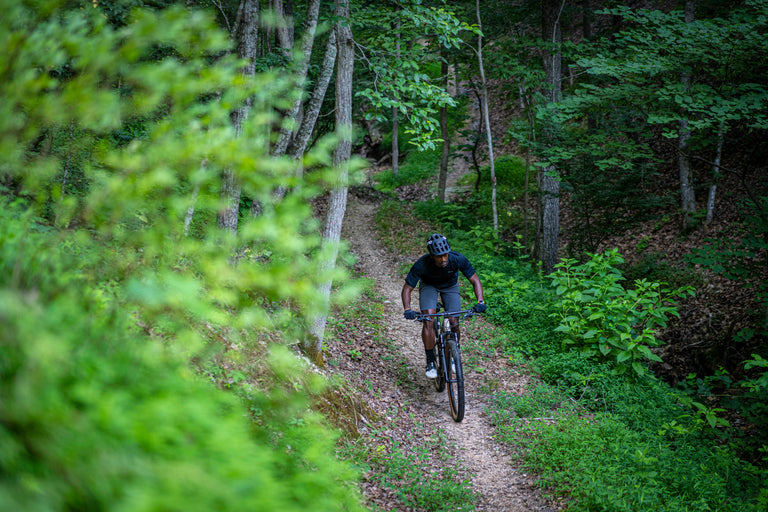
point(105, 294)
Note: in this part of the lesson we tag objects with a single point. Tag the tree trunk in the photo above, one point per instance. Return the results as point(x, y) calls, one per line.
point(443, 176)
point(688, 199)
point(284, 28)
point(549, 183)
point(246, 35)
point(395, 111)
point(312, 112)
point(487, 120)
point(69, 158)
point(715, 174)
point(307, 42)
point(341, 155)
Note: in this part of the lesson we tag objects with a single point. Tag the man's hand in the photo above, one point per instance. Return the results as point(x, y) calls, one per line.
point(480, 307)
point(409, 314)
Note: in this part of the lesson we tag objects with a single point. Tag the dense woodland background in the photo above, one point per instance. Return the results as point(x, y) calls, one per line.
point(173, 178)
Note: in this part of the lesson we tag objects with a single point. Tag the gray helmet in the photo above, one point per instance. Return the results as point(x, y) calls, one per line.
point(437, 245)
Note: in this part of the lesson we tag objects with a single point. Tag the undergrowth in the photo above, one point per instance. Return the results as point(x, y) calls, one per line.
point(608, 441)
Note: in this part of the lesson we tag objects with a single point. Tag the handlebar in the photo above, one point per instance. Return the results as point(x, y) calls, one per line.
point(465, 313)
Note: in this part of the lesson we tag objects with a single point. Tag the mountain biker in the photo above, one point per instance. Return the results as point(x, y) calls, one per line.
point(438, 273)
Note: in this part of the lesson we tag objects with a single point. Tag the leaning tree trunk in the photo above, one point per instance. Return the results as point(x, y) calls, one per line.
point(246, 35)
point(395, 110)
point(291, 122)
point(338, 199)
point(300, 76)
point(443, 176)
point(312, 111)
point(715, 174)
point(688, 198)
point(487, 119)
point(549, 183)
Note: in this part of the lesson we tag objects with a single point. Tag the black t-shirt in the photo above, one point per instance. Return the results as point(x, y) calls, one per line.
point(425, 270)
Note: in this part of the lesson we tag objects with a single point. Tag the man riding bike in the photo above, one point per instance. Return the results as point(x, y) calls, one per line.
point(438, 273)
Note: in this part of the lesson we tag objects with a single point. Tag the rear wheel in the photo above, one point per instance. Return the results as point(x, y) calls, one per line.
point(455, 379)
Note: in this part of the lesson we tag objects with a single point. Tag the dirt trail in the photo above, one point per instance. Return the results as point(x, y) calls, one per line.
point(493, 472)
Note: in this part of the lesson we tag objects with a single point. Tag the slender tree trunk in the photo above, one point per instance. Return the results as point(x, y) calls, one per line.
point(301, 67)
point(526, 199)
point(395, 111)
point(69, 158)
point(525, 196)
point(549, 183)
point(443, 176)
point(715, 174)
point(341, 155)
point(312, 111)
point(246, 35)
point(688, 199)
point(487, 120)
point(284, 28)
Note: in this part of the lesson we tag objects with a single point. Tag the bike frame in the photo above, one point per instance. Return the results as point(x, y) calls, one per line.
point(444, 336)
point(442, 332)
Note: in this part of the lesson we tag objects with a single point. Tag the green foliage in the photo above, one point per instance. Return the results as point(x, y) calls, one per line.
point(604, 463)
point(757, 362)
point(102, 308)
point(98, 416)
point(400, 78)
point(418, 166)
point(609, 440)
point(632, 91)
point(722, 49)
point(509, 170)
point(602, 318)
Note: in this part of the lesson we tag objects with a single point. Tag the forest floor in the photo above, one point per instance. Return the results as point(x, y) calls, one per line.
point(390, 380)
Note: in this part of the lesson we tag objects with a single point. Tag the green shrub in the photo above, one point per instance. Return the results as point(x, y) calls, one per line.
point(418, 166)
point(102, 308)
point(509, 170)
point(97, 416)
point(602, 318)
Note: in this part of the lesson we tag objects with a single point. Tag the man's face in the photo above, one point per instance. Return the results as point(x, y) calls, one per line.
point(441, 261)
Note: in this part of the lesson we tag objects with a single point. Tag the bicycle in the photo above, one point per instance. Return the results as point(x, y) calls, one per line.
point(448, 352)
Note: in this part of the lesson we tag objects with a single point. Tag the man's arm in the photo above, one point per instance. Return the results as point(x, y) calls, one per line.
point(477, 286)
point(406, 296)
point(409, 314)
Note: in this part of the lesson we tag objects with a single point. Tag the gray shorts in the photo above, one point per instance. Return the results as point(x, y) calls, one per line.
point(449, 295)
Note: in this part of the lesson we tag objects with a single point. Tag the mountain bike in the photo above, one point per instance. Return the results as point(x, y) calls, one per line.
point(448, 352)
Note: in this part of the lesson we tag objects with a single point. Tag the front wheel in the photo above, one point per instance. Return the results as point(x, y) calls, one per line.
point(455, 379)
point(439, 382)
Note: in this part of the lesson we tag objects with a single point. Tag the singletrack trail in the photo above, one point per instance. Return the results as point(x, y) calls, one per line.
point(408, 396)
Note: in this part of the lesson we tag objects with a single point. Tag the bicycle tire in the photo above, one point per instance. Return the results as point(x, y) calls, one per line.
point(455, 379)
point(439, 381)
